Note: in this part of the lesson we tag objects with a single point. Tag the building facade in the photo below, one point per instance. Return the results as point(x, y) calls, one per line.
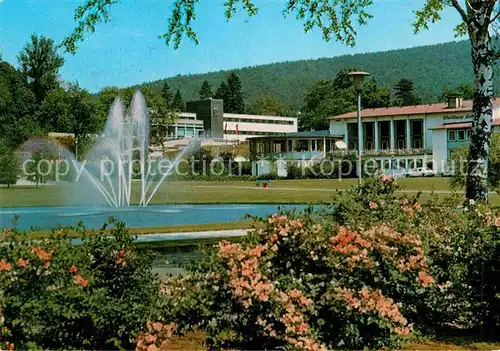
point(272, 154)
point(411, 136)
point(205, 118)
point(392, 138)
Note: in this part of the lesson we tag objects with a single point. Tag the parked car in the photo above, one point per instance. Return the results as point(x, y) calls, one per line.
point(420, 172)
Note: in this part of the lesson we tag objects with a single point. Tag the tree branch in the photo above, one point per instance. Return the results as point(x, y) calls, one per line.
point(495, 17)
point(460, 9)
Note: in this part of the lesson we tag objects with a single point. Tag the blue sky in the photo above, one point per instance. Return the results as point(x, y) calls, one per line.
point(127, 50)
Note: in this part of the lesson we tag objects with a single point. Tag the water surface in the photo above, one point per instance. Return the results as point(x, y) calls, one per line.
point(93, 217)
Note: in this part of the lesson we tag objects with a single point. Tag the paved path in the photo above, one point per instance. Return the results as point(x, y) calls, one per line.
point(191, 235)
point(317, 189)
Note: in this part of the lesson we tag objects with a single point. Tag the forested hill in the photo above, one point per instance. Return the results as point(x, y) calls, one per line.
point(431, 68)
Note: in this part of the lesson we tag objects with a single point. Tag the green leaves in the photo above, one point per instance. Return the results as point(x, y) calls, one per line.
point(40, 64)
point(337, 18)
point(46, 302)
point(87, 16)
point(334, 18)
point(431, 12)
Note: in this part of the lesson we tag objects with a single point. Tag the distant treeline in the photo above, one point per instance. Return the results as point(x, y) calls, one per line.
point(432, 68)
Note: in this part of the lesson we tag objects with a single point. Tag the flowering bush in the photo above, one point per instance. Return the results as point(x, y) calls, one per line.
point(362, 273)
point(300, 284)
point(53, 294)
point(461, 242)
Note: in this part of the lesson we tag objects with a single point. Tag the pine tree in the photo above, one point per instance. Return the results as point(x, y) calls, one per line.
point(205, 90)
point(235, 95)
point(178, 102)
point(222, 93)
point(404, 93)
point(167, 94)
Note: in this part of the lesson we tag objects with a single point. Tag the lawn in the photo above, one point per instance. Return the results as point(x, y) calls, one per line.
point(204, 192)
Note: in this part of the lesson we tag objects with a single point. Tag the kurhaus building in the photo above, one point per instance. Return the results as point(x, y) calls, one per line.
point(205, 118)
point(394, 137)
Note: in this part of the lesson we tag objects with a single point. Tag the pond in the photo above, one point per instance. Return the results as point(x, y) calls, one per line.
point(93, 217)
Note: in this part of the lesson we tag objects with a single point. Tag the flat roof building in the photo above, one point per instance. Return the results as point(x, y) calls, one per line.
point(394, 137)
point(205, 118)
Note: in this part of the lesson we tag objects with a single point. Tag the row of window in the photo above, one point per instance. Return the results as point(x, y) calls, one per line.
point(245, 132)
point(459, 134)
point(250, 120)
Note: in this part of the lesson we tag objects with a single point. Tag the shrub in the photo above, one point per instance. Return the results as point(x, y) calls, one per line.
point(96, 295)
point(461, 242)
point(299, 284)
point(362, 273)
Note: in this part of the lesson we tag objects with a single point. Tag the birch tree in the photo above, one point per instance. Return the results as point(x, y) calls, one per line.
point(339, 20)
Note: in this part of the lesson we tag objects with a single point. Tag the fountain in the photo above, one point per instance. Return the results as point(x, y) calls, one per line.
point(118, 158)
point(119, 154)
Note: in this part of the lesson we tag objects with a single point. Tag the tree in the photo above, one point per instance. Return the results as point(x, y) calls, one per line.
point(166, 94)
point(404, 93)
point(54, 112)
point(40, 65)
point(375, 96)
point(464, 90)
point(85, 118)
point(17, 107)
point(161, 114)
point(205, 90)
point(230, 92)
point(479, 19)
point(222, 93)
point(9, 166)
point(326, 98)
point(178, 102)
point(235, 101)
point(268, 105)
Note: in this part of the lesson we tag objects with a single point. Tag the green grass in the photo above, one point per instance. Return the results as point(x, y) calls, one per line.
point(204, 192)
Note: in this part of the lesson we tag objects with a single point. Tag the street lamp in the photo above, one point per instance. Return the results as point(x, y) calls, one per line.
point(359, 83)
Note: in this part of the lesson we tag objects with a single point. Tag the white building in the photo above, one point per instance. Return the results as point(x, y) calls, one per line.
point(241, 127)
point(393, 137)
point(206, 120)
point(411, 136)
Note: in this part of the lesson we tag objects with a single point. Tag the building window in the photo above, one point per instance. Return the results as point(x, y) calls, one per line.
point(469, 133)
point(252, 120)
point(302, 145)
point(452, 135)
point(461, 135)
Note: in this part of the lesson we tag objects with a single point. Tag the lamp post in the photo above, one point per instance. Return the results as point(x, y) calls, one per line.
point(359, 83)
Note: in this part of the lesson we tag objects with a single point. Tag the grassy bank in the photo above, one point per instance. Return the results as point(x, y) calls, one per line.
point(204, 192)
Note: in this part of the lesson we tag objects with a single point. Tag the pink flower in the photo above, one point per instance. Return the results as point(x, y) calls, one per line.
point(386, 178)
point(73, 269)
point(42, 254)
point(373, 205)
point(4, 266)
point(22, 263)
point(425, 279)
point(81, 281)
